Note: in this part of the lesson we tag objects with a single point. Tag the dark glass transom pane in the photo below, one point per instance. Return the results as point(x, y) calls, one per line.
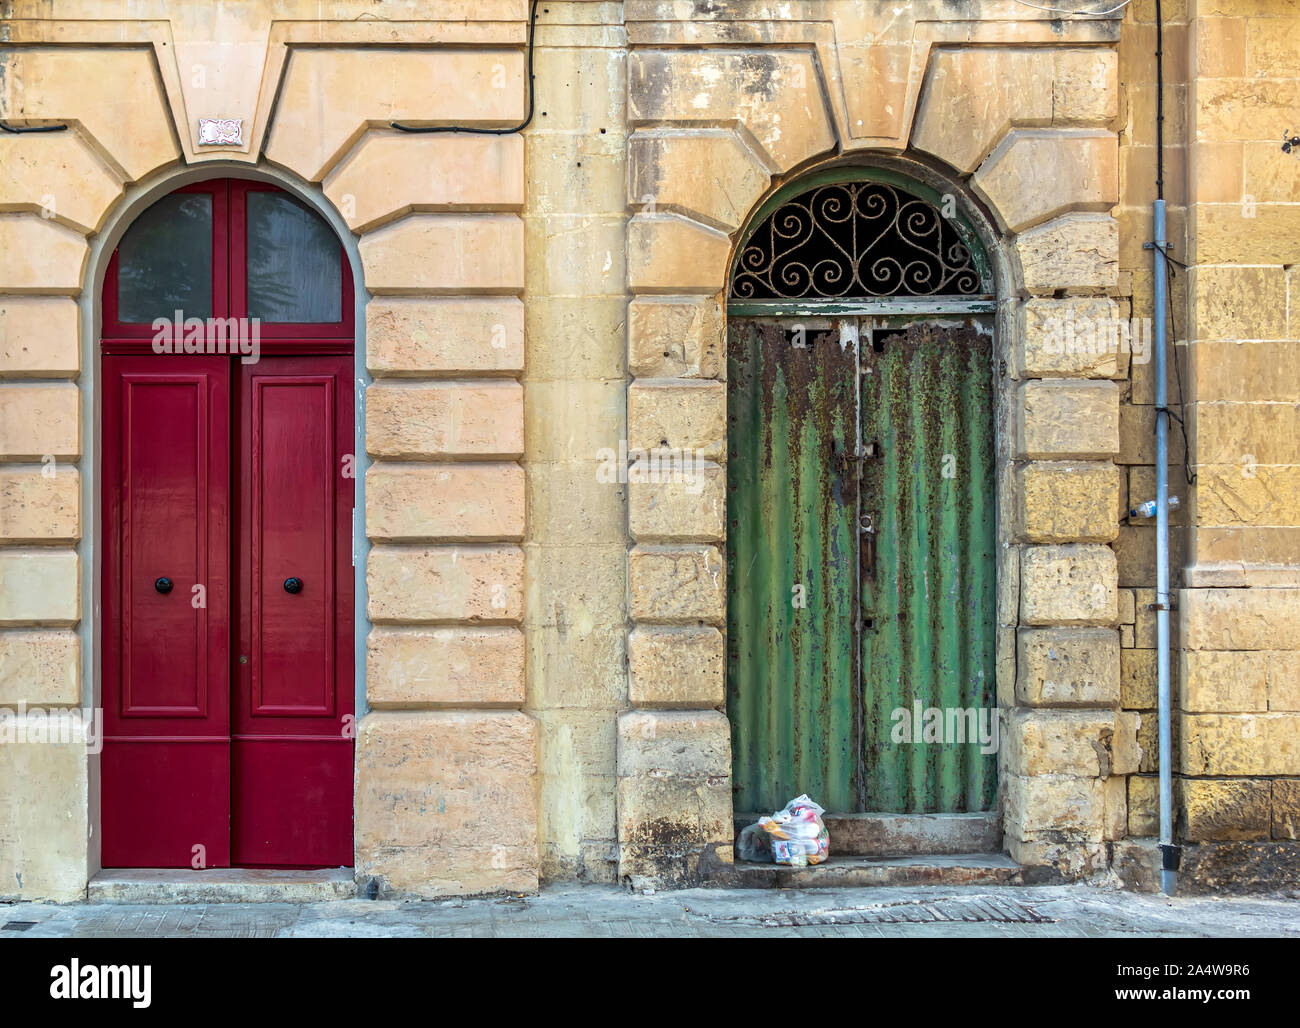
point(294, 263)
point(164, 262)
point(855, 240)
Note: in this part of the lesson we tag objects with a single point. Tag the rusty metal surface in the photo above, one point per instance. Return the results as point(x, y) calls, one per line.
point(927, 405)
point(792, 695)
point(828, 637)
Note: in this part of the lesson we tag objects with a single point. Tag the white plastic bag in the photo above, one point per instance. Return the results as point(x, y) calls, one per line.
point(795, 835)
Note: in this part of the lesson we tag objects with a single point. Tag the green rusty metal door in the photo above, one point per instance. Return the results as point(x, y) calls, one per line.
point(861, 516)
point(792, 559)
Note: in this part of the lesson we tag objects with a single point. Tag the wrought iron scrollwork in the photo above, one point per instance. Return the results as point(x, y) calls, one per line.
point(855, 240)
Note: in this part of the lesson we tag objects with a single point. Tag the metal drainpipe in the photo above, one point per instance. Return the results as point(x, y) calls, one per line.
point(1168, 851)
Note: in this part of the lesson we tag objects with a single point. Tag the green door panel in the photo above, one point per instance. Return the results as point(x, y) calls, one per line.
point(791, 549)
point(928, 595)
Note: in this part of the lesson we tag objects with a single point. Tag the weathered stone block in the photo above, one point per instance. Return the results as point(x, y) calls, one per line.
point(676, 667)
point(410, 585)
point(1286, 808)
point(427, 782)
point(1241, 744)
point(445, 502)
point(585, 254)
point(1085, 86)
point(1065, 502)
point(1036, 174)
point(675, 337)
point(1284, 680)
point(447, 254)
point(43, 822)
point(417, 336)
point(678, 415)
point(410, 421)
point(38, 255)
point(329, 96)
point(39, 337)
point(1238, 619)
point(1218, 681)
point(1068, 585)
point(1143, 805)
point(674, 795)
point(1238, 303)
point(775, 93)
point(667, 253)
point(58, 175)
point(1115, 807)
point(1061, 742)
point(389, 176)
point(445, 667)
point(1216, 810)
point(1067, 859)
point(1137, 679)
point(674, 584)
point(1126, 747)
point(1076, 251)
point(973, 95)
point(40, 420)
point(1062, 418)
point(39, 587)
point(1149, 742)
point(1068, 667)
point(1075, 337)
point(707, 172)
point(127, 116)
point(40, 668)
point(581, 336)
point(1055, 808)
point(692, 510)
point(36, 507)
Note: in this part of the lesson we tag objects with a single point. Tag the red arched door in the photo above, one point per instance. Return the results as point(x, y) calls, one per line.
point(227, 428)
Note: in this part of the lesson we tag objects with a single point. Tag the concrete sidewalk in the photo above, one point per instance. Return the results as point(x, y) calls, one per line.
point(607, 911)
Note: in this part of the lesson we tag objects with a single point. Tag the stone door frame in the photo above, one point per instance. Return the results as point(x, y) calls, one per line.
point(686, 184)
point(134, 202)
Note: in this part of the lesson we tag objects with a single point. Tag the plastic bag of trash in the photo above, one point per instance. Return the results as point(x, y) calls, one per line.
point(794, 835)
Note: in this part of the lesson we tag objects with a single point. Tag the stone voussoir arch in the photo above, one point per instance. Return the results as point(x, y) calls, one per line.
point(1039, 196)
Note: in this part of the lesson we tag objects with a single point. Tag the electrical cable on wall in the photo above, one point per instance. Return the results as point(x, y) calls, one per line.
point(1188, 473)
point(528, 117)
point(24, 129)
point(1166, 258)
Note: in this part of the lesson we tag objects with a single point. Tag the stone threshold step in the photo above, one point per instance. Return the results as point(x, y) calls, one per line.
point(221, 885)
point(852, 871)
point(876, 835)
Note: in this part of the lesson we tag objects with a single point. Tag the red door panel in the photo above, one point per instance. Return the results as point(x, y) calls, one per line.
point(293, 748)
point(166, 602)
point(292, 800)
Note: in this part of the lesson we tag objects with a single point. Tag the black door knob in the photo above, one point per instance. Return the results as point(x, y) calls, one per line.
point(293, 585)
point(163, 585)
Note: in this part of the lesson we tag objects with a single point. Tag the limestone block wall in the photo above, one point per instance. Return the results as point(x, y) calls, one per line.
point(545, 668)
point(444, 753)
point(56, 191)
point(1238, 739)
point(575, 418)
point(1019, 117)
